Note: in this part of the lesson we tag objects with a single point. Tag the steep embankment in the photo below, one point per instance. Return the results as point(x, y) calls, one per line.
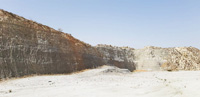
point(152, 58)
point(27, 47)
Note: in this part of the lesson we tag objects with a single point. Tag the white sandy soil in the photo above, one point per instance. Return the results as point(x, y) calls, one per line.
point(98, 83)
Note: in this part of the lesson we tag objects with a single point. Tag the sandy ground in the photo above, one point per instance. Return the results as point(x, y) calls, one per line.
point(97, 83)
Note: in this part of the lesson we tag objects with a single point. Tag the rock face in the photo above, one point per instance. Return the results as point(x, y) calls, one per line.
point(119, 56)
point(27, 47)
point(152, 58)
point(182, 58)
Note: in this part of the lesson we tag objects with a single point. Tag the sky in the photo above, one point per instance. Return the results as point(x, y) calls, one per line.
point(133, 23)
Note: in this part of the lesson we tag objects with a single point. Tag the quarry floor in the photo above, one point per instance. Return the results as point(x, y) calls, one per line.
point(96, 83)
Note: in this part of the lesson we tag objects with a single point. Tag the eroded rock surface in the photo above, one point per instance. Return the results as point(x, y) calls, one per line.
point(27, 47)
point(122, 57)
point(152, 58)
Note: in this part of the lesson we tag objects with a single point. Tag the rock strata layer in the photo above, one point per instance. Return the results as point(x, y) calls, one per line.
point(27, 47)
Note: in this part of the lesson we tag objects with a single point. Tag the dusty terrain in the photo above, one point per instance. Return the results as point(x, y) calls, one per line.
point(106, 81)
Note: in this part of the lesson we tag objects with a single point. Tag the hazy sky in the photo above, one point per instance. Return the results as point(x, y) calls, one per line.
point(134, 23)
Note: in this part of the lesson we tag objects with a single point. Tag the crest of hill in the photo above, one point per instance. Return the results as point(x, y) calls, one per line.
point(9, 17)
point(5, 15)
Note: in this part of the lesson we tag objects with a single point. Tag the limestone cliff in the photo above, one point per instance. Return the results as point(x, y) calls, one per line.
point(27, 47)
point(152, 58)
point(122, 57)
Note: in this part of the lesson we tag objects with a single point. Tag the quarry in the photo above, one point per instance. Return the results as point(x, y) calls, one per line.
point(36, 60)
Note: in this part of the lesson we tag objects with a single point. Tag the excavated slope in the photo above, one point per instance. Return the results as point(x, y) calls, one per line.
point(152, 58)
point(27, 47)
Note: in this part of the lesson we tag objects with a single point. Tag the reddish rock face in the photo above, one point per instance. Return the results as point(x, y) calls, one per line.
point(27, 47)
